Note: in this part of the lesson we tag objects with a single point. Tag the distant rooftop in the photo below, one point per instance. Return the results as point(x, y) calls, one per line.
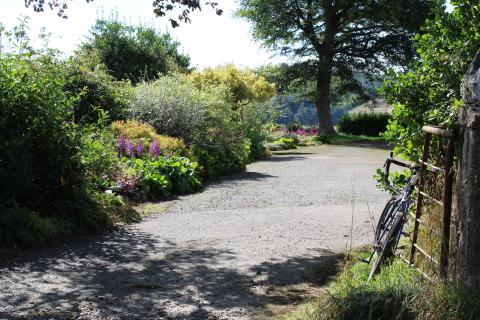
point(377, 105)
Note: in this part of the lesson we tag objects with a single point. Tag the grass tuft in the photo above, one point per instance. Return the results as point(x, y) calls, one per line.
point(396, 293)
point(349, 138)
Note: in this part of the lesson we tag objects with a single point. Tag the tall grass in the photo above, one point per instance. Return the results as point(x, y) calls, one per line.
point(396, 293)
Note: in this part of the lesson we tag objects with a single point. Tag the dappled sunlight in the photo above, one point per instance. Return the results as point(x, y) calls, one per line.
point(137, 275)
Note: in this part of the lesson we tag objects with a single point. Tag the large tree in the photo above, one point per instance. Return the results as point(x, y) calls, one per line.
point(343, 37)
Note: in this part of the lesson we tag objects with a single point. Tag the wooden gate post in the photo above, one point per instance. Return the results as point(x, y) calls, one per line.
point(468, 180)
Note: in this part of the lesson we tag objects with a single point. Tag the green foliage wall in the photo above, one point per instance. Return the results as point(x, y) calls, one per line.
point(39, 143)
point(364, 123)
point(96, 90)
point(43, 187)
point(430, 92)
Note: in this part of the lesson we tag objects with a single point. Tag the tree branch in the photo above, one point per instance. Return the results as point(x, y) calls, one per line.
point(307, 28)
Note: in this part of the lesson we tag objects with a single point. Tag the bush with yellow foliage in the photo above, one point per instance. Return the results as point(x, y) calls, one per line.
point(243, 85)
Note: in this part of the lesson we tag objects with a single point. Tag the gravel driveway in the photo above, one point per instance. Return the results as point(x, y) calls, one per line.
point(260, 238)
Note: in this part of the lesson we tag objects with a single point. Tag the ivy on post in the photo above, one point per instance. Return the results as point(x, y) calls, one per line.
point(468, 180)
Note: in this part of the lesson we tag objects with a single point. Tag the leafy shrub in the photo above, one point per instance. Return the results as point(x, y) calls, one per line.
point(165, 176)
point(222, 159)
point(152, 179)
point(135, 130)
point(288, 142)
point(429, 93)
point(248, 95)
point(39, 147)
point(364, 123)
point(157, 173)
point(134, 52)
point(243, 85)
point(203, 118)
point(19, 226)
point(96, 91)
point(324, 138)
point(172, 106)
point(50, 168)
point(255, 117)
point(98, 157)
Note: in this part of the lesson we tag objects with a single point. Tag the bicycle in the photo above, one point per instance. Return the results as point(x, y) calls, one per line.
point(393, 217)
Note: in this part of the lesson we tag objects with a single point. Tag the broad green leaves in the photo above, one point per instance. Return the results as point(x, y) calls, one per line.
point(430, 92)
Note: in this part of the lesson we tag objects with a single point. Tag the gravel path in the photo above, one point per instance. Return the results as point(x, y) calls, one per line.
point(259, 238)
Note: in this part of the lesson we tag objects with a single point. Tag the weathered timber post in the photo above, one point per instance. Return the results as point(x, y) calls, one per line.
point(468, 180)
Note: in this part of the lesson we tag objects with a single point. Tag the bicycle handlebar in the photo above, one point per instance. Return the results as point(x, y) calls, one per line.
point(399, 163)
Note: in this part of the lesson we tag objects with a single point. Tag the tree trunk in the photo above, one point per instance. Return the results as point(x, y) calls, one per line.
point(322, 97)
point(468, 181)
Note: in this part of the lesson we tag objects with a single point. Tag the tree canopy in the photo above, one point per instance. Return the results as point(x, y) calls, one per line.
point(134, 52)
point(182, 8)
point(342, 37)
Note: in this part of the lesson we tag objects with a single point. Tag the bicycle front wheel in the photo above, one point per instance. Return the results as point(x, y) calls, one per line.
point(388, 248)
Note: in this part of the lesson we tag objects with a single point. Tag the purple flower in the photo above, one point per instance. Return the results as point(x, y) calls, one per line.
point(130, 148)
point(301, 132)
point(169, 155)
point(121, 146)
point(139, 149)
point(154, 150)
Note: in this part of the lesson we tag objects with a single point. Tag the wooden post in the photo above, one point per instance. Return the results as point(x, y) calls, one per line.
point(468, 181)
point(447, 209)
point(419, 207)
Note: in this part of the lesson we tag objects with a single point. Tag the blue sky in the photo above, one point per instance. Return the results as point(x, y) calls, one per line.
point(210, 40)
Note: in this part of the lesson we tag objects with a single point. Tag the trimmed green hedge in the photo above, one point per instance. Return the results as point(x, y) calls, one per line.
point(364, 123)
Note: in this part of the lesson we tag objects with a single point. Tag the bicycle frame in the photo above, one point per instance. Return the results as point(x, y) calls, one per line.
point(401, 205)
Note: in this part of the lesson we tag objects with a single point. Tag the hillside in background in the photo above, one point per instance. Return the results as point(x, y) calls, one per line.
point(377, 105)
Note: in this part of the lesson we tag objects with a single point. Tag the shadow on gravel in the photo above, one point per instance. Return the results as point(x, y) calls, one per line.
point(283, 157)
point(131, 275)
point(238, 177)
point(384, 145)
point(290, 153)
